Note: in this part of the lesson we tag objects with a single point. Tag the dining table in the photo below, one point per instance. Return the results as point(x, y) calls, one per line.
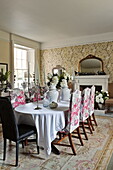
point(48, 121)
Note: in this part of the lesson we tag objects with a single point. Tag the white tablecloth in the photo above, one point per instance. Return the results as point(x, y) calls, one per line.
point(47, 121)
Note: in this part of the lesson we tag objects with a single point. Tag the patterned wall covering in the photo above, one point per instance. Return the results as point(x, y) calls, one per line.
point(69, 57)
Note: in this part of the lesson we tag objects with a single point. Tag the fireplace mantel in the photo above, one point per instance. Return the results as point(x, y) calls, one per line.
point(97, 80)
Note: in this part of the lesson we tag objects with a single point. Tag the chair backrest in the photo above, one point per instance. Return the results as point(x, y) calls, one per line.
point(92, 100)
point(74, 111)
point(85, 106)
point(10, 129)
point(17, 98)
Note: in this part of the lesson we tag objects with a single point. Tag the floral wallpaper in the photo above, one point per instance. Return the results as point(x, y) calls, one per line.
point(69, 57)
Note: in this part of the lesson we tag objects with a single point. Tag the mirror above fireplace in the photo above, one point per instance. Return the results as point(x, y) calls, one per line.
point(91, 65)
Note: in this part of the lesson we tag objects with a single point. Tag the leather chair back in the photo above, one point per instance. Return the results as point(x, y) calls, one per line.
point(10, 129)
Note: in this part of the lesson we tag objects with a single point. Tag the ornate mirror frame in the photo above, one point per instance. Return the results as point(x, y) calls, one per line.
point(90, 57)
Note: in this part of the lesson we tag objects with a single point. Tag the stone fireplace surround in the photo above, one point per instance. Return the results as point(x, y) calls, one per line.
point(97, 80)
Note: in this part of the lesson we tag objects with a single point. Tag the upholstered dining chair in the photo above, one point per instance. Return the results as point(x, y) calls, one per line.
point(12, 131)
point(17, 97)
point(84, 113)
point(72, 122)
point(91, 108)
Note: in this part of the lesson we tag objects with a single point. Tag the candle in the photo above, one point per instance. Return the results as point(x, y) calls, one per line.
point(28, 75)
point(44, 76)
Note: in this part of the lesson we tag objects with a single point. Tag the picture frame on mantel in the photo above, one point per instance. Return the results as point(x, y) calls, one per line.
point(4, 67)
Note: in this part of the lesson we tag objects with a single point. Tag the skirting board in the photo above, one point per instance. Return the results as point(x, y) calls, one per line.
point(99, 112)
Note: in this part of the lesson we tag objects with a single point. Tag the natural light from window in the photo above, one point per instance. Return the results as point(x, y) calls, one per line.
point(24, 65)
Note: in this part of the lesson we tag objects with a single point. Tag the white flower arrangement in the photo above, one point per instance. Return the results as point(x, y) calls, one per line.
point(63, 83)
point(100, 97)
point(59, 80)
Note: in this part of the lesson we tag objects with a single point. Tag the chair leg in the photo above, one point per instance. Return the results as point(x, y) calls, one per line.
point(5, 143)
point(94, 119)
point(91, 123)
point(82, 123)
point(71, 143)
point(88, 121)
point(60, 135)
point(22, 144)
point(79, 135)
point(26, 142)
point(37, 143)
point(17, 151)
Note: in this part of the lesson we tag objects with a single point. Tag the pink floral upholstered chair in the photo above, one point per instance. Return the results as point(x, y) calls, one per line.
point(17, 98)
point(74, 112)
point(85, 110)
point(92, 101)
point(72, 121)
point(92, 96)
point(85, 104)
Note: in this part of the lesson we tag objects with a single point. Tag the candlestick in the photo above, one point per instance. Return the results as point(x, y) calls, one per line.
point(44, 76)
point(28, 75)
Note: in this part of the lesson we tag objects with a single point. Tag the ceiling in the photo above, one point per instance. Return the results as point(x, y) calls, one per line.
point(48, 20)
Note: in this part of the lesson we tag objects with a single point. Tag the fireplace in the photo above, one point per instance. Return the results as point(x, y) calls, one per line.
point(97, 88)
point(87, 81)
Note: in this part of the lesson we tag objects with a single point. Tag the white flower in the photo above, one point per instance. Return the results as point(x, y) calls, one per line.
point(100, 95)
point(97, 99)
point(64, 71)
point(63, 83)
point(101, 100)
point(64, 80)
point(49, 76)
point(55, 79)
point(65, 76)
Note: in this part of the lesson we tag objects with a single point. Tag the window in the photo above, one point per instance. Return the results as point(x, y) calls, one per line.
point(24, 66)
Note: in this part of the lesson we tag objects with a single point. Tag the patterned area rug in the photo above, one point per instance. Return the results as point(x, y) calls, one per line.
point(94, 155)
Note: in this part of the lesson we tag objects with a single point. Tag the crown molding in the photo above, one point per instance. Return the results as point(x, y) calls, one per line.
point(4, 36)
point(98, 38)
point(25, 41)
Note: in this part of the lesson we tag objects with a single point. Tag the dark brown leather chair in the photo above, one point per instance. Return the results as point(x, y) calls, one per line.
point(12, 131)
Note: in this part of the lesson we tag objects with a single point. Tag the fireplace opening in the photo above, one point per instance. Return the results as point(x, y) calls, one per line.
point(97, 88)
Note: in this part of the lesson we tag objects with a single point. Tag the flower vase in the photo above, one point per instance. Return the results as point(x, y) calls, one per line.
point(101, 106)
point(65, 93)
point(52, 94)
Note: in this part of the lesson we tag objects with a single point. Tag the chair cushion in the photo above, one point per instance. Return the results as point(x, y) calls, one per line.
point(25, 130)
